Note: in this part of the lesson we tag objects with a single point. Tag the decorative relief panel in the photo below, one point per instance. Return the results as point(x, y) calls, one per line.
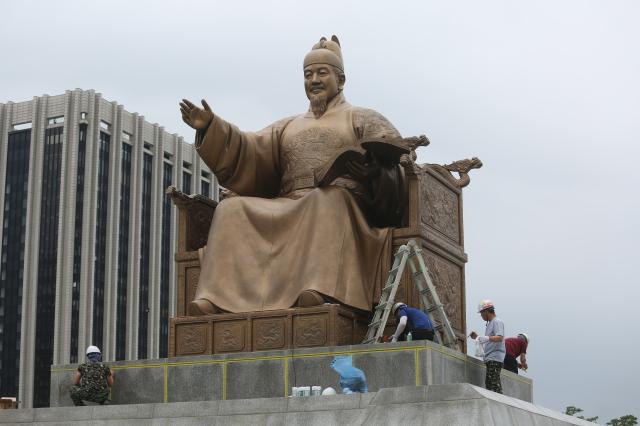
point(198, 224)
point(447, 279)
point(192, 275)
point(269, 333)
point(229, 336)
point(344, 330)
point(191, 339)
point(439, 207)
point(310, 330)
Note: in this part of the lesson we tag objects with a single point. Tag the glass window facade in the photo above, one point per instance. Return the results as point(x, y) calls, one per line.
point(186, 183)
point(47, 265)
point(77, 245)
point(123, 252)
point(205, 188)
point(104, 143)
point(165, 263)
point(145, 252)
point(12, 265)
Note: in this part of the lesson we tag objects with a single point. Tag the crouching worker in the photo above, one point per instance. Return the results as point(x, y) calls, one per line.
point(411, 320)
point(92, 380)
point(516, 347)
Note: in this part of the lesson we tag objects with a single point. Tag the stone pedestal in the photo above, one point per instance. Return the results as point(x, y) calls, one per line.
point(326, 325)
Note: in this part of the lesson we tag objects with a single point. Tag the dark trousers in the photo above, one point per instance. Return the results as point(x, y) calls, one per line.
point(79, 395)
point(419, 335)
point(511, 364)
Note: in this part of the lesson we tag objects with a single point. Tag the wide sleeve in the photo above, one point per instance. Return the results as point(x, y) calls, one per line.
point(247, 163)
point(388, 197)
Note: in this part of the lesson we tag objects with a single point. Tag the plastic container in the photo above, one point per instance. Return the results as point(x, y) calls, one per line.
point(316, 390)
point(409, 337)
point(306, 391)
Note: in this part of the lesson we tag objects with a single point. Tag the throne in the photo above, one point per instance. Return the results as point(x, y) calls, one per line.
point(433, 218)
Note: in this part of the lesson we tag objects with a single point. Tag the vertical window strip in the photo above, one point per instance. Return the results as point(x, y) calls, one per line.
point(47, 265)
point(123, 252)
point(11, 266)
point(145, 251)
point(77, 245)
point(165, 264)
point(101, 238)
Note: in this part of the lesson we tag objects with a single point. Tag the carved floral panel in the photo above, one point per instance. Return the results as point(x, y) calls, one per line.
point(268, 333)
point(439, 207)
point(229, 336)
point(191, 339)
point(447, 278)
point(310, 330)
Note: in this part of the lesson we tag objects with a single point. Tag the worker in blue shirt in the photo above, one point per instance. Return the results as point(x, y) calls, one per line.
point(411, 320)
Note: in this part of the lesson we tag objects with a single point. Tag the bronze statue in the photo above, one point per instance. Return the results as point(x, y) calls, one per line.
point(283, 240)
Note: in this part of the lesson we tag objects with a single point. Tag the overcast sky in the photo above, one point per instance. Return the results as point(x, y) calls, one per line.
point(545, 93)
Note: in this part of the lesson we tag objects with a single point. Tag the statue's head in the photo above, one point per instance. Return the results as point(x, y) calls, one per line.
point(323, 73)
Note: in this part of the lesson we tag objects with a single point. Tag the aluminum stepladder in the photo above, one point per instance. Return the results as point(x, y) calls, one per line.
point(430, 301)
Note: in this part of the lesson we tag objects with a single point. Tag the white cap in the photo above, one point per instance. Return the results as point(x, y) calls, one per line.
point(93, 349)
point(329, 391)
point(397, 306)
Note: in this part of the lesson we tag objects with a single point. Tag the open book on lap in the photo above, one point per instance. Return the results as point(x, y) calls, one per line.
point(336, 166)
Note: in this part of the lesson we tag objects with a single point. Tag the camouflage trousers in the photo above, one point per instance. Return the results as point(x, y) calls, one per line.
point(79, 395)
point(492, 380)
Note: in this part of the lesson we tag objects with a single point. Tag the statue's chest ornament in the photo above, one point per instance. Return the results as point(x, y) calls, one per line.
point(310, 148)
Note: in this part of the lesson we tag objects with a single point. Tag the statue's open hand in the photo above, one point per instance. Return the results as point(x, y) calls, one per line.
point(362, 172)
point(194, 116)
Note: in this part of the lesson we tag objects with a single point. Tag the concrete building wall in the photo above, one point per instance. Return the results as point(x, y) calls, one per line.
point(89, 108)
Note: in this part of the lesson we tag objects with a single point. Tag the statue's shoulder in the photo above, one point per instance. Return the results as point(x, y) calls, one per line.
point(369, 122)
point(277, 127)
point(283, 122)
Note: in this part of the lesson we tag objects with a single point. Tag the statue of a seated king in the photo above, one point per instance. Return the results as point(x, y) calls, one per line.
point(285, 240)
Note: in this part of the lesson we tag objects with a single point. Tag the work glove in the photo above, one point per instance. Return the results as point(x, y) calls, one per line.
point(483, 339)
point(394, 339)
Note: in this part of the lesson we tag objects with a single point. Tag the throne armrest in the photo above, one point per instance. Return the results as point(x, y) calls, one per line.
point(195, 213)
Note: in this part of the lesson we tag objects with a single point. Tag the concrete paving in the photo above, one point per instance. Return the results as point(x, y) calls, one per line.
point(451, 404)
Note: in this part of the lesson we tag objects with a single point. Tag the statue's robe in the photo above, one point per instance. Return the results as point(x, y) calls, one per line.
point(282, 234)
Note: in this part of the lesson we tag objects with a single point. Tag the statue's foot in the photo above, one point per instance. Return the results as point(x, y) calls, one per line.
point(310, 298)
point(201, 307)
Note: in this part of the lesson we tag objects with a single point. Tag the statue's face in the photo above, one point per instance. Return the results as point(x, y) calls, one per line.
point(321, 80)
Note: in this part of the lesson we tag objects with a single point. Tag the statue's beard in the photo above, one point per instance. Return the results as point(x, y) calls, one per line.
point(318, 104)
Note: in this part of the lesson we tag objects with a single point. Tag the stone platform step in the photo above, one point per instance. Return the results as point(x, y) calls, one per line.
point(454, 404)
point(271, 374)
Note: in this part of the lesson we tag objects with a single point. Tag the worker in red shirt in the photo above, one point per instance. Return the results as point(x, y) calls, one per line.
point(516, 347)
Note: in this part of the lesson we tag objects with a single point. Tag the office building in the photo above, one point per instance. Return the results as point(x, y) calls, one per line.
point(88, 235)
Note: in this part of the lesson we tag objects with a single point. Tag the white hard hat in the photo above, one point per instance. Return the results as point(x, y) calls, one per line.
point(93, 349)
point(329, 391)
point(485, 304)
point(525, 336)
point(396, 307)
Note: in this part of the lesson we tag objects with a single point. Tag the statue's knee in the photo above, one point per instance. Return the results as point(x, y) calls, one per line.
point(229, 207)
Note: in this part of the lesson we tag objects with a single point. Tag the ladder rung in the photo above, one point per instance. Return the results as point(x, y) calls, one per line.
point(387, 288)
point(382, 305)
